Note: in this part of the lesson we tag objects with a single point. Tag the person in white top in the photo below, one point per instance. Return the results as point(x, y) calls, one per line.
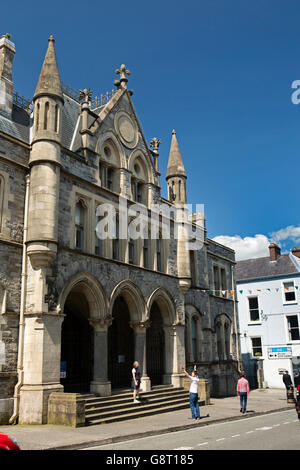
point(193, 393)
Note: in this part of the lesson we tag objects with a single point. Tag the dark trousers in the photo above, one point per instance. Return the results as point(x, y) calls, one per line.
point(194, 405)
point(243, 400)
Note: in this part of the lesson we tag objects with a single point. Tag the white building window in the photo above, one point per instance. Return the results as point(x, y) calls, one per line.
point(289, 292)
point(253, 309)
point(293, 327)
point(256, 347)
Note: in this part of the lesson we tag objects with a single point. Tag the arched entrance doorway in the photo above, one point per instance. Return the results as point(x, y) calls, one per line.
point(120, 345)
point(155, 344)
point(76, 344)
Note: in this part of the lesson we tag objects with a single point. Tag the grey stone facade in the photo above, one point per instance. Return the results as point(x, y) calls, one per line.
point(54, 284)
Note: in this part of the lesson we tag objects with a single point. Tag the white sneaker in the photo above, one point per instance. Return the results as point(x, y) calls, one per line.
point(136, 401)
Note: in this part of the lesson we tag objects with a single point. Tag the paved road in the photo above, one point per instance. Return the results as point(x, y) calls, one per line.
point(276, 431)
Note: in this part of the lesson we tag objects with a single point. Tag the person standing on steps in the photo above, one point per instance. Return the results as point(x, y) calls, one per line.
point(243, 390)
point(194, 404)
point(136, 382)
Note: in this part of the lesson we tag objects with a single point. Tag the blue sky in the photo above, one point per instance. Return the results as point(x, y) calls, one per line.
point(218, 71)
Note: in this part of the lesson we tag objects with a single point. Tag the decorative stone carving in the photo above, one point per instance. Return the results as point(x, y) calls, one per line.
point(126, 129)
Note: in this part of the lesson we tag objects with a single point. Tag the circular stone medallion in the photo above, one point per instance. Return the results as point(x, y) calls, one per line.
point(126, 129)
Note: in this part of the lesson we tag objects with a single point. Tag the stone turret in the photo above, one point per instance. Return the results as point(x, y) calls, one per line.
point(176, 175)
point(7, 52)
point(176, 179)
point(45, 163)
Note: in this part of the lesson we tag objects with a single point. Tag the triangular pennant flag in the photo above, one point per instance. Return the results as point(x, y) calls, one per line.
point(212, 292)
point(241, 291)
point(232, 292)
point(277, 289)
point(250, 291)
point(223, 292)
point(269, 290)
point(296, 287)
point(258, 290)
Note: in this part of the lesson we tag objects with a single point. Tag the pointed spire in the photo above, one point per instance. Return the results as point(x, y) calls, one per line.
point(49, 81)
point(175, 164)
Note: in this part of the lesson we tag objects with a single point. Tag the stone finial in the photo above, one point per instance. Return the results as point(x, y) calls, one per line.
point(154, 144)
point(85, 95)
point(123, 72)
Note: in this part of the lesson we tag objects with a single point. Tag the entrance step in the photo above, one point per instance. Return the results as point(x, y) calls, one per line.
point(119, 407)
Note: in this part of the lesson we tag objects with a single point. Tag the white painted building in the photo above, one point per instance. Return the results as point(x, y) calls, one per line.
point(268, 293)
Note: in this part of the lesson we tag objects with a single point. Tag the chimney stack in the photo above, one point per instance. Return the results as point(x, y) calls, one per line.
point(7, 52)
point(296, 251)
point(274, 251)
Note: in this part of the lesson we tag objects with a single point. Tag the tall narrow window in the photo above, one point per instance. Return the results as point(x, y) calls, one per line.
point(146, 253)
point(56, 119)
point(46, 114)
point(223, 279)
point(116, 242)
point(216, 280)
point(193, 267)
point(293, 328)
point(158, 254)
point(253, 309)
point(131, 257)
point(79, 225)
point(107, 175)
point(37, 117)
point(98, 241)
point(256, 347)
point(289, 291)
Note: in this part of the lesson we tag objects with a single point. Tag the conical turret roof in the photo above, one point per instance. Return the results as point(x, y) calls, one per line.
point(49, 82)
point(175, 164)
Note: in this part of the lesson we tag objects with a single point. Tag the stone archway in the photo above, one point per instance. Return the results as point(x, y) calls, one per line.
point(162, 339)
point(127, 310)
point(84, 307)
point(76, 344)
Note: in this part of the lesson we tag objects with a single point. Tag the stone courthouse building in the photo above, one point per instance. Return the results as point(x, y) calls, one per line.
point(76, 310)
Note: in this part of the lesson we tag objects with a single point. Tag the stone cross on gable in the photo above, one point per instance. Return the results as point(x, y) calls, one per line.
point(123, 72)
point(85, 95)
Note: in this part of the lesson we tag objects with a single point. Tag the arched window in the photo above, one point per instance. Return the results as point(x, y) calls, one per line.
point(139, 178)
point(80, 225)
point(109, 164)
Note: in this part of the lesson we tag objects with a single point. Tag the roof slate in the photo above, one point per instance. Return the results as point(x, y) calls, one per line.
point(262, 267)
point(17, 125)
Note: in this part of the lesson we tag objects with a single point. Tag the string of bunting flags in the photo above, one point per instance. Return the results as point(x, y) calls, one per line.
point(248, 291)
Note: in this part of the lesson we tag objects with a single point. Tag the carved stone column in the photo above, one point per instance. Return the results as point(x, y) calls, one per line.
point(140, 352)
point(100, 384)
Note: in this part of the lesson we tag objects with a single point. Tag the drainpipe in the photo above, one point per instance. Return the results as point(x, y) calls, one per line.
point(237, 346)
point(13, 419)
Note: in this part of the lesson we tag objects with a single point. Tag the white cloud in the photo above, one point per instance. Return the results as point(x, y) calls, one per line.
point(246, 248)
point(258, 245)
point(289, 233)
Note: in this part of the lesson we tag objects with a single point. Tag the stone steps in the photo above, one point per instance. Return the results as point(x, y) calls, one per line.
point(121, 407)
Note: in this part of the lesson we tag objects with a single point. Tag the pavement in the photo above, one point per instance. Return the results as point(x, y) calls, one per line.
point(51, 437)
